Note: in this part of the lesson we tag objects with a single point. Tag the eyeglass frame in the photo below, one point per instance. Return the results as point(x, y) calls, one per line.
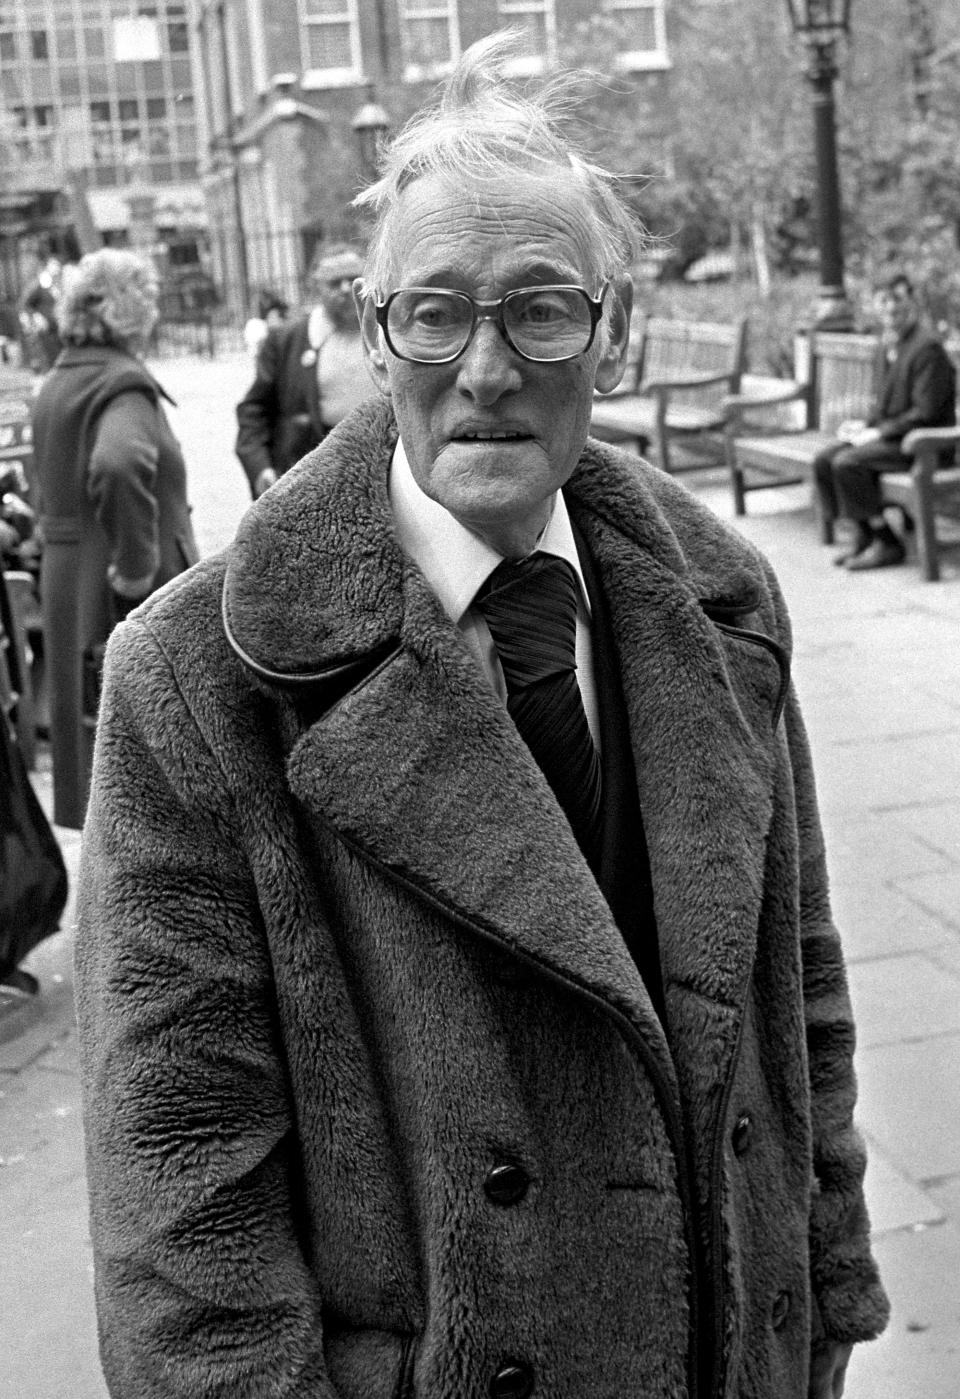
point(493, 311)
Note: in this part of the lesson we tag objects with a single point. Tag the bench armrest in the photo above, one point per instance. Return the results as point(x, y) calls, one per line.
point(922, 438)
point(764, 398)
point(696, 381)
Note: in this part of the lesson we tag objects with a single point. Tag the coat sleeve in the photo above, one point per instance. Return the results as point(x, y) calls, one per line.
point(849, 1300)
point(121, 481)
point(201, 1283)
point(258, 412)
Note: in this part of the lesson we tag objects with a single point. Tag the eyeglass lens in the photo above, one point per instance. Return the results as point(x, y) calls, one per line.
point(543, 323)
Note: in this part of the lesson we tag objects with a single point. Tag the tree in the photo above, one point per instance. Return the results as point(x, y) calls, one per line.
point(738, 130)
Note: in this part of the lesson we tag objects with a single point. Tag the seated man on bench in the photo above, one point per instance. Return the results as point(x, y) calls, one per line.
point(918, 390)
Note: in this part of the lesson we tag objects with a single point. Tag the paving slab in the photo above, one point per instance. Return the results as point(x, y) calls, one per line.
point(936, 824)
point(884, 774)
point(938, 894)
point(875, 919)
point(909, 1103)
point(903, 998)
point(47, 1322)
point(893, 1200)
point(918, 1357)
point(882, 847)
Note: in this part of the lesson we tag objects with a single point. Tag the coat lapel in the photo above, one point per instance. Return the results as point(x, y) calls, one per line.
point(419, 766)
point(701, 708)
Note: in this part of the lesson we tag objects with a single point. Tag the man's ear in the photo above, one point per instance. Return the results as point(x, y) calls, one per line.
point(370, 334)
point(613, 360)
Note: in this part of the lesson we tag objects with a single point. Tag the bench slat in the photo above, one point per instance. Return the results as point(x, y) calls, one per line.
point(653, 409)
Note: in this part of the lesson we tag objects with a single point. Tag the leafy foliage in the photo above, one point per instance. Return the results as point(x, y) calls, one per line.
point(741, 174)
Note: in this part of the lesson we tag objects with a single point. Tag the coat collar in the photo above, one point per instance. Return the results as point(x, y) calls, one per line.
point(420, 767)
point(73, 356)
point(314, 577)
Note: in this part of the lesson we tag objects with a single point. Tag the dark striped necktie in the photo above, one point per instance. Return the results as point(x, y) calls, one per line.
point(531, 610)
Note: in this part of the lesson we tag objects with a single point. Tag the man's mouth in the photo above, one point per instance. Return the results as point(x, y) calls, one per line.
point(491, 435)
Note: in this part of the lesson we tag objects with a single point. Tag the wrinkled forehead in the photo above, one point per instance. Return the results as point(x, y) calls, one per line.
point(507, 227)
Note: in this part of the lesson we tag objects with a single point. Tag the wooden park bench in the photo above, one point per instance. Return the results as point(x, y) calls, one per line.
point(677, 387)
point(763, 453)
point(844, 377)
point(930, 488)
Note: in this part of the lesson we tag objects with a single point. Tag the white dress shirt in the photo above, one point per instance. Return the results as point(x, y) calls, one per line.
point(456, 563)
point(341, 369)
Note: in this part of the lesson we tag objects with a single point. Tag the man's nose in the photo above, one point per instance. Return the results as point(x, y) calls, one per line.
point(488, 367)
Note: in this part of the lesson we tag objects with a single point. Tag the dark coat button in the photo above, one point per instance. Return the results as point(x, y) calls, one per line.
point(780, 1309)
point(514, 1380)
point(742, 1135)
point(506, 1184)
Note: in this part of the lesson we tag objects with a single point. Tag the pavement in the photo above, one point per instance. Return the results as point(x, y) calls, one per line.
point(877, 667)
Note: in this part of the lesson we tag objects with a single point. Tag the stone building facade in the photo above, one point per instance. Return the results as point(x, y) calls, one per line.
point(293, 95)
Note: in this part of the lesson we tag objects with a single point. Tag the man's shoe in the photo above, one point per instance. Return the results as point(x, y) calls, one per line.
point(854, 552)
point(861, 538)
point(879, 553)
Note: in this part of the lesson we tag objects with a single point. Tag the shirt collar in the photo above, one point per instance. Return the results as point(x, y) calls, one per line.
point(455, 562)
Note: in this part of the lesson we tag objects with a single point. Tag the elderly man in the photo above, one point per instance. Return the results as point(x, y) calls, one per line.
point(461, 1013)
point(918, 390)
point(309, 374)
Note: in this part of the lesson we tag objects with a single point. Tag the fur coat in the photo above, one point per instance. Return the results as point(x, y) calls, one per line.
point(377, 1105)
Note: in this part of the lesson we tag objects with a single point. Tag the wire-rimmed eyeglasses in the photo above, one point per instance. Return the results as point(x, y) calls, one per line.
point(434, 325)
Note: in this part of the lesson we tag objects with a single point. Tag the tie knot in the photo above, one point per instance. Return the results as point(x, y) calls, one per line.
point(531, 609)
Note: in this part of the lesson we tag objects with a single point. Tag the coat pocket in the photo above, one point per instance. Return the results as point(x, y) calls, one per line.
point(365, 1363)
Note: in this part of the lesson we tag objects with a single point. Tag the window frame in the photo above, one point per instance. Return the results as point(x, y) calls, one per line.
point(432, 9)
point(529, 64)
point(314, 77)
point(646, 60)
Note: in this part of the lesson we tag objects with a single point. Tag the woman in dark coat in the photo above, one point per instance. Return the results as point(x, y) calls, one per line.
point(113, 495)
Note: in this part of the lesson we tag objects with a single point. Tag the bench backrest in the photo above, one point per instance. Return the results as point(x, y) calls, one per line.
point(845, 374)
point(676, 349)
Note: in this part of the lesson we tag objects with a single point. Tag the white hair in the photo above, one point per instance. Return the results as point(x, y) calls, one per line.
point(109, 297)
point(482, 129)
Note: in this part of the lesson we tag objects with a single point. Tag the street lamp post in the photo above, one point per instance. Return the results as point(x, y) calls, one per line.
point(371, 123)
point(821, 24)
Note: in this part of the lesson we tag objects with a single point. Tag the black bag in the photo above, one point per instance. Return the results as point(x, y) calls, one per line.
point(33, 877)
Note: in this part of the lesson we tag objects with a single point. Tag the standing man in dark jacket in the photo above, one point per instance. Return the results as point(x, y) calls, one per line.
point(309, 375)
point(918, 390)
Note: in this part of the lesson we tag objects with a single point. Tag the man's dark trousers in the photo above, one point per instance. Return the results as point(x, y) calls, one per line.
point(848, 478)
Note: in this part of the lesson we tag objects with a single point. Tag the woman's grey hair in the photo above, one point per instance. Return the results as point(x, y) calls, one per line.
point(484, 128)
point(108, 298)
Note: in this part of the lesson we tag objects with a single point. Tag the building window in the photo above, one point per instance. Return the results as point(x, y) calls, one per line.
point(538, 20)
point(94, 43)
point(330, 40)
point(643, 26)
point(431, 38)
point(39, 48)
point(8, 46)
point(100, 111)
point(128, 109)
point(156, 107)
point(178, 36)
point(66, 45)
